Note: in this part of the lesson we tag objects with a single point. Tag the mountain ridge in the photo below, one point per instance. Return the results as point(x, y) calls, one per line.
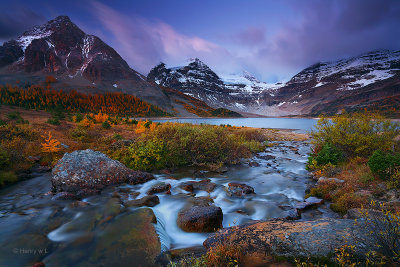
point(77, 60)
point(306, 93)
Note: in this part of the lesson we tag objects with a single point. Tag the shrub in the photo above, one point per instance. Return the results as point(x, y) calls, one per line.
point(190, 262)
point(4, 159)
point(58, 113)
point(394, 181)
point(78, 117)
point(79, 134)
point(117, 136)
point(148, 155)
point(50, 144)
point(53, 121)
point(147, 124)
point(384, 164)
point(129, 121)
point(2, 123)
point(106, 125)
point(220, 255)
point(358, 134)
point(16, 116)
point(384, 228)
point(174, 144)
point(324, 190)
point(327, 155)
point(7, 177)
point(86, 122)
point(225, 255)
point(100, 117)
point(347, 201)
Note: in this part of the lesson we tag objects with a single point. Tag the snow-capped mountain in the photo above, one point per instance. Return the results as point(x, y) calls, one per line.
point(344, 84)
point(78, 60)
point(84, 62)
point(323, 87)
point(232, 91)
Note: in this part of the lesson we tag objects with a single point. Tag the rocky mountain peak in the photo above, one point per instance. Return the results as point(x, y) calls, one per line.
point(60, 48)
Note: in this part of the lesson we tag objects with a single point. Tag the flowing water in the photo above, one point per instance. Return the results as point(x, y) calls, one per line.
point(29, 218)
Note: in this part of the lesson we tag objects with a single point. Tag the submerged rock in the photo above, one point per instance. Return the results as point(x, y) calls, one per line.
point(64, 196)
point(87, 172)
point(254, 164)
point(205, 185)
point(266, 157)
point(239, 190)
point(221, 169)
point(149, 201)
point(158, 188)
point(130, 240)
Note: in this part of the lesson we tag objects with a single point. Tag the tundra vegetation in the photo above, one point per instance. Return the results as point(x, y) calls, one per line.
point(361, 150)
point(139, 144)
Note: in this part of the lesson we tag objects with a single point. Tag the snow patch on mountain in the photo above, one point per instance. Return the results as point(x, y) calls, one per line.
point(36, 33)
point(349, 68)
point(369, 78)
point(251, 84)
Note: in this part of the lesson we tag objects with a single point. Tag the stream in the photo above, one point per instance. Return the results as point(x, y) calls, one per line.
point(29, 218)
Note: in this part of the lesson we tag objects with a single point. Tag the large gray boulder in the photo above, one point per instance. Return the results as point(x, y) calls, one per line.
point(87, 172)
point(263, 240)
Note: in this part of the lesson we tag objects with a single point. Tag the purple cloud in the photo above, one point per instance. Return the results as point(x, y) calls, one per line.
point(144, 43)
point(325, 30)
point(250, 36)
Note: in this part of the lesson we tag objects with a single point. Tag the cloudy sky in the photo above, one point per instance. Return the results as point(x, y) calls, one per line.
point(271, 39)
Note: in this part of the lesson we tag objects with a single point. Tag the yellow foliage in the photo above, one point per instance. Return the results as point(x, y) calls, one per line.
point(140, 130)
point(86, 123)
point(51, 144)
point(153, 126)
point(100, 117)
point(358, 134)
point(140, 127)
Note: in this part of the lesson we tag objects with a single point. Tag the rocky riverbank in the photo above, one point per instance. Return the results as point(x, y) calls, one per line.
point(92, 209)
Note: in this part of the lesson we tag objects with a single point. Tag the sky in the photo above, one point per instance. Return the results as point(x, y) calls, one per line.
point(273, 40)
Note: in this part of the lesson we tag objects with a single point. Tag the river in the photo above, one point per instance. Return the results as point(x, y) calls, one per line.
point(30, 218)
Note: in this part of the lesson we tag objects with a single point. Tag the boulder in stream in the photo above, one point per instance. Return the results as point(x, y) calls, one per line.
point(200, 216)
point(158, 188)
point(205, 185)
point(149, 201)
point(87, 172)
point(239, 190)
point(200, 219)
